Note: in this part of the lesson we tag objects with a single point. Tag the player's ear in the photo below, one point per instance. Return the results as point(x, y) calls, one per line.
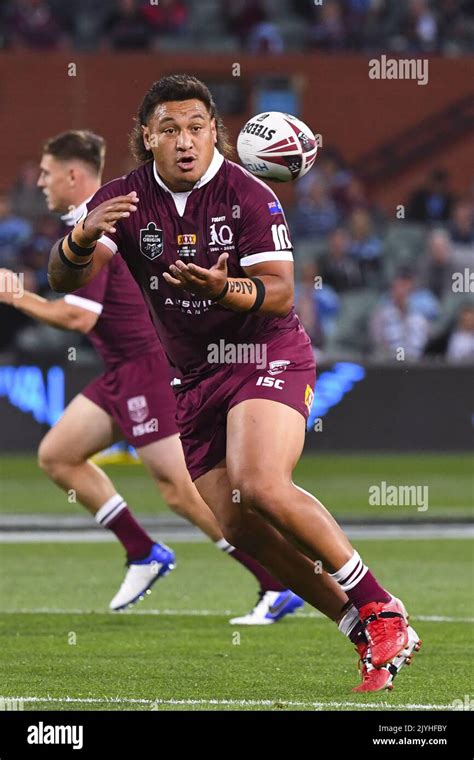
point(214, 130)
point(146, 136)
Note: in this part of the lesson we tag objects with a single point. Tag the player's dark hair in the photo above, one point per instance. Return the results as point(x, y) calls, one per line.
point(80, 144)
point(175, 87)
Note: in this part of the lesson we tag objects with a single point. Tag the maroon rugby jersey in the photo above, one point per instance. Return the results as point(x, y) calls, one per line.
point(124, 329)
point(227, 210)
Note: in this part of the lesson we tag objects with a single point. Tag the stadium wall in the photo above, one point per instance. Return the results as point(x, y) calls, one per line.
point(357, 408)
point(64, 91)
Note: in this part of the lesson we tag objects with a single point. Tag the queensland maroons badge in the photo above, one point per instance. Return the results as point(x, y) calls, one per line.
point(151, 241)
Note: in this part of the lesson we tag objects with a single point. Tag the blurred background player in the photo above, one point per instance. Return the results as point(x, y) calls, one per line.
point(132, 399)
point(239, 435)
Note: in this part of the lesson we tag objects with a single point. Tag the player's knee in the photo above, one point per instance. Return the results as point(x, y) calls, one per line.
point(259, 492)
point(46, 457)
point(50, 460)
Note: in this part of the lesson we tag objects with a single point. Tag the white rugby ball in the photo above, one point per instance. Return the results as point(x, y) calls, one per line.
point(277, 146)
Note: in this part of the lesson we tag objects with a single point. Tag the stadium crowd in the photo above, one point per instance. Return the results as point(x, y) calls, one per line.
point(264, 26)
point(366, 284)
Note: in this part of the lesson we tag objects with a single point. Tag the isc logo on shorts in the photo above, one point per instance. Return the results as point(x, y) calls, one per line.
point(271, 382)
point(151, 426)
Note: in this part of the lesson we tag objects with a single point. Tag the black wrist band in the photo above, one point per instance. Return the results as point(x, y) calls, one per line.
point(223, 292)
point(260, 297)
point(78, 250)
point(68, 262)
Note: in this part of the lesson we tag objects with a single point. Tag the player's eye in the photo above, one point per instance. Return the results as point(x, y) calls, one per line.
point(169, 130)
point(196, 128)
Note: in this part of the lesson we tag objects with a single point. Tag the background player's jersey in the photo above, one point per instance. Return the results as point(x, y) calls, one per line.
point(124, 329)
point(228, 210)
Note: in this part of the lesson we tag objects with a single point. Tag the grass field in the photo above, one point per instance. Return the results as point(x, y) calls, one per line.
point(189, 657)
point(341, 482)
point(62, 649)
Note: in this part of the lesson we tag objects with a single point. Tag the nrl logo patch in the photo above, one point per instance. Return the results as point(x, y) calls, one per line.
point(274, 368)
point(151, 241)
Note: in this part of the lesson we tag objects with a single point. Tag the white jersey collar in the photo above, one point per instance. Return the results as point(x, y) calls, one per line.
point(181, 198)
point(75, 213)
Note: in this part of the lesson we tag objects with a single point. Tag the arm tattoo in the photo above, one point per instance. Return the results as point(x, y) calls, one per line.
point(241, 286)
point(62, 279)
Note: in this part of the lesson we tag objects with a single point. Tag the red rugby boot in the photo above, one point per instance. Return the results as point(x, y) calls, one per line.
point(385, 625)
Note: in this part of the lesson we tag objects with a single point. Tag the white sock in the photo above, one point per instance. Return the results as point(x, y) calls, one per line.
point(224, 546)
point(110, 510)
point(349, 621)
point(351, 573)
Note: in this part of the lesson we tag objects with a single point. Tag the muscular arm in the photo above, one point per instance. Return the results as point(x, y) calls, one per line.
point(56, 313)
point(62, 279)
point(278, 278)
point(67, 316)
point(99, 221)
point(240, 292)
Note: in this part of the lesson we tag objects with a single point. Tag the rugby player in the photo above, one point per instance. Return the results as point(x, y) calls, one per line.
point(132, 399)
point(209, 246)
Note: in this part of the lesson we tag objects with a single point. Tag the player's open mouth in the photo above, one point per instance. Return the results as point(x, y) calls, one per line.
point(187, 163)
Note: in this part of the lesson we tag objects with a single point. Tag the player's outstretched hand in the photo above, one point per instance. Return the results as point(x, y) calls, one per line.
point(102, 219)
point(194, 279)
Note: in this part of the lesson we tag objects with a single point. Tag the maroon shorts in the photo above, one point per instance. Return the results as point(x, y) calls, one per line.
point(138, 396)
point(289, 377)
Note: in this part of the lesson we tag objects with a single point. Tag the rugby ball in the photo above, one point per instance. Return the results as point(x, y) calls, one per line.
point(277, 146)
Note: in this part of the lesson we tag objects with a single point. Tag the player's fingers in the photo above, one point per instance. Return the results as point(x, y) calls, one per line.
point(112, 216)
point(185, 274)
point(125, 198)
point(172, 280)
point(222, 261)
point(177, 274)
point(199, 272)
point(118, 208)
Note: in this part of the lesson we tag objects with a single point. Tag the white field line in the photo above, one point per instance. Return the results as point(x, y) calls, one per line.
point(155, 703)
point(367, 533)
point(207, 613)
